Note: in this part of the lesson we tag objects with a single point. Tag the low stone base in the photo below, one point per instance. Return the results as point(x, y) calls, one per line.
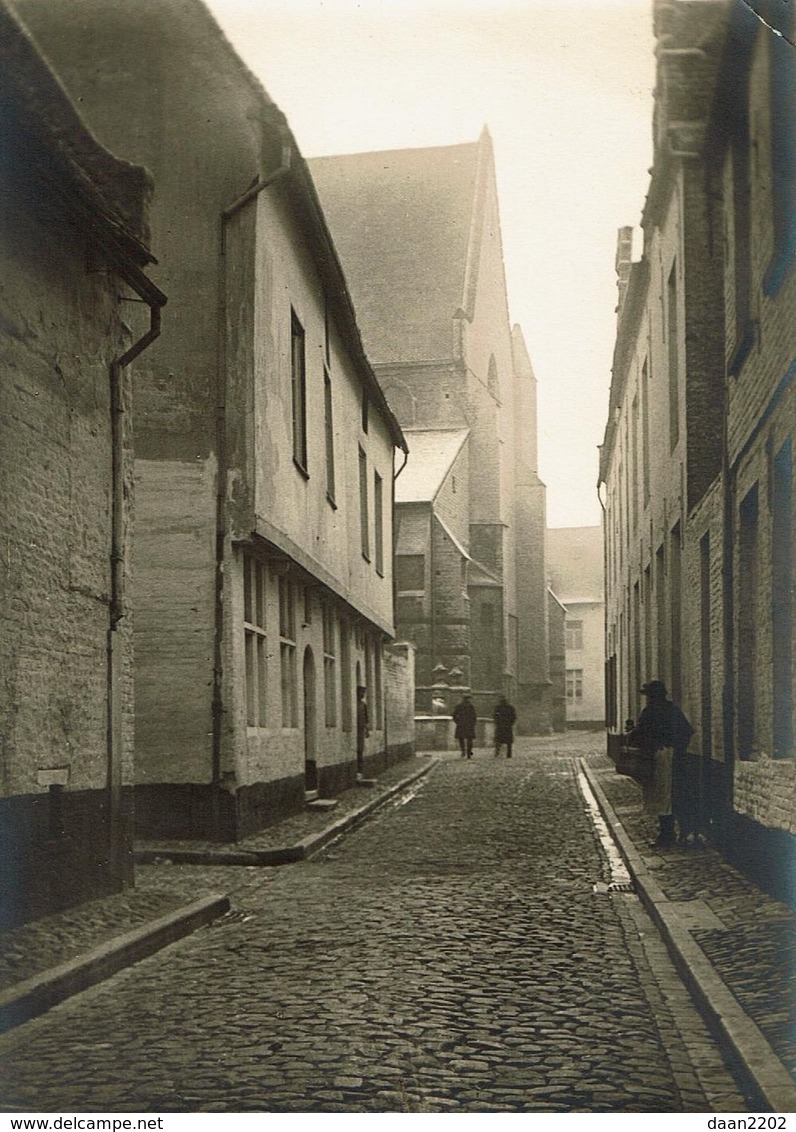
point(55, 852)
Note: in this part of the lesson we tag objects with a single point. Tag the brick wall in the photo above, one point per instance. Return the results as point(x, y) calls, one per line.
point(61, 328)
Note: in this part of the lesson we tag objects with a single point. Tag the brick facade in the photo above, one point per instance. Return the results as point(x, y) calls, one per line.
point(700, 531)
point(73, 222)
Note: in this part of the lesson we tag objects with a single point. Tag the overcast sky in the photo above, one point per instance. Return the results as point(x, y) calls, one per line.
point(565, 87)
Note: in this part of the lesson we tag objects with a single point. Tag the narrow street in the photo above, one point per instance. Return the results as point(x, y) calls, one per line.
point(451, 955)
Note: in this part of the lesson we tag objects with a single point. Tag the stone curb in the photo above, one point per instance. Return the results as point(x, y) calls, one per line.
point(757, 1061)
point(284, 855)
point(34, 996)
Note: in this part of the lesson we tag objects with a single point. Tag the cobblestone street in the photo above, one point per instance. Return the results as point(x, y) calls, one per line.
point(450, 955)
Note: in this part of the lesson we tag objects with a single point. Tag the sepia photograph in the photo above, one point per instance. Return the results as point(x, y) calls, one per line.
point(397, 542)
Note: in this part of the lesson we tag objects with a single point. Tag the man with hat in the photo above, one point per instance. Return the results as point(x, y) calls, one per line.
point(663, 732)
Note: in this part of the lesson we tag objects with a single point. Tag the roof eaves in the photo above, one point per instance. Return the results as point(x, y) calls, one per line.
point(310, 204)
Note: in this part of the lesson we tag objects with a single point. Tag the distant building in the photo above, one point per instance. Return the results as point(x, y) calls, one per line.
point(574, 558)
point(697, 464)
point(74, 245)
point(265, 457)
point(418, 232)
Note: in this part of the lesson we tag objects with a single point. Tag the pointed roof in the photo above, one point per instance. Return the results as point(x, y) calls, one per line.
point(432, 453)
point(43, 128)
point(404, 223)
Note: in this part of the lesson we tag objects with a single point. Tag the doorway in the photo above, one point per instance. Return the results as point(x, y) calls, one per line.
point(310, 729)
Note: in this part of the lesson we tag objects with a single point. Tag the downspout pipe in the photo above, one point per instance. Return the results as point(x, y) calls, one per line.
point(264, 181)
point(155, 299)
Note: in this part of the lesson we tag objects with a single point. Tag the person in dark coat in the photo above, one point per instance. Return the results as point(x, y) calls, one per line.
point(465, 719)
point(362, 728)
point(663, 732)
point(505, 717)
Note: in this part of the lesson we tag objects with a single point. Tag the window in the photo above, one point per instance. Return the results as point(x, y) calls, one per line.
point(410, 571)
point(676, 611)
point(782, 599)
point(299, 393)
point(674, 358)
point(329, 432)
point(365, 410)
point(574, 635)
point(363, 504)
point(574, 685)
point(645, 430)
point(747, 624)
point(378, 522)
point(345, 675)
point(330, 665)
point(377, 688)
point(254, 631)
point(287, 652)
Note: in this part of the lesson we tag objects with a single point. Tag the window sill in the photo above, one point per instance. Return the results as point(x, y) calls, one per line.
point(301, 468)
point(366, 556)
point(330, 500)
point(380, 572)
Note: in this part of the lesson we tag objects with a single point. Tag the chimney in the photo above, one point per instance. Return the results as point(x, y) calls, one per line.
point(624, 254)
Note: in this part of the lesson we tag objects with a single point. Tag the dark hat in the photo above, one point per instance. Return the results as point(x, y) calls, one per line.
point(654, 688)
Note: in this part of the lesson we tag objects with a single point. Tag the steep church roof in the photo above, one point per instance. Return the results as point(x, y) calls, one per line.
point(431, 456)
point(403, 223)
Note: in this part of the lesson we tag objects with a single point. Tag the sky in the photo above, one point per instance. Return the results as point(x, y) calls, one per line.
point(565, 87)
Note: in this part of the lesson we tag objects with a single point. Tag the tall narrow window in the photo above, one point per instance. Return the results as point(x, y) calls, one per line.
point(674, 357)
point(573, 632)
point(660, 610)
point(330, 665)
point(378, 521)
point(782, 600)
point(299, 392)
point(287, 652)
point(705, 649)
point(574, 685)
point(676, 612)
point(255, 644)
point(747, 624)
point(345, 675)
point(365, 410)
point(648, 623)
point(636, 641)
point(364, 529)
point(634, 462)
point(329, 431)
point(378, 705)
point(645, 430)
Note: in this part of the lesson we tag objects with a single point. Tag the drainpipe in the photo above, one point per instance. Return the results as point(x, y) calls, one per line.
point(263, 182)
point(155, 300)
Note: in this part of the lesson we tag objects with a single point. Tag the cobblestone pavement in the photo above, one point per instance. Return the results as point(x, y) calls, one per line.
point(32, 948)
point(450, 955)
point(754, 947)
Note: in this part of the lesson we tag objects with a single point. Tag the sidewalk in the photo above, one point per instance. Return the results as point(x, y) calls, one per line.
point(46, 961)
point(735, 947)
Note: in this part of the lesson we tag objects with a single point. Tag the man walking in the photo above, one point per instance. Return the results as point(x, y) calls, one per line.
point(505, 717)
point(465, 719)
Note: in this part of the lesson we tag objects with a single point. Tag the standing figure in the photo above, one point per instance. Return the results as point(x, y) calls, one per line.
point(663, 732)
point(465, 719)
point(505, 717)
point(362, 728)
